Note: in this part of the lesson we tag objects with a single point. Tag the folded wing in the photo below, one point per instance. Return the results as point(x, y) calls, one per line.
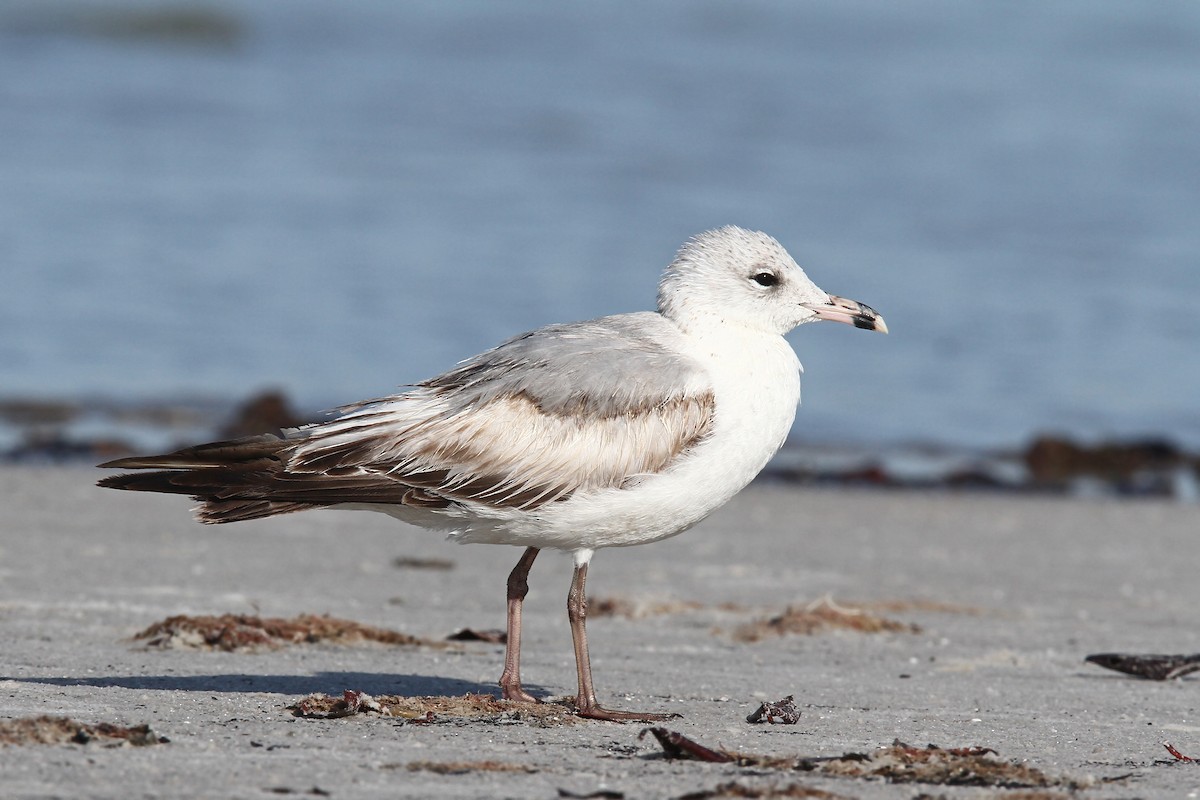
point(566, 409)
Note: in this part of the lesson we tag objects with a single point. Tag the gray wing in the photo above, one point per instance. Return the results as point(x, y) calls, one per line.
point(568, 408)
point(582, 406)
point(607, 367)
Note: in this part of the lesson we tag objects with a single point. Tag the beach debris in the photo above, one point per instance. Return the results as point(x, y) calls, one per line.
point(638, 609)
point(820, 615)
point(897, 763)
point(351, 703)
point(491, 635)
point(1150, 467)
point(676, 745)
point(1178, 755)
point(781, 712)
point(955, 766)
point(1153, 666)
point(54, 447)
point(34, 411)
point(465, 767)
point(64, 730)
point(599, 794)
point(414, 562)
point(431, 709)
point(231, 632)
point(1055, 460)
point(267, 412)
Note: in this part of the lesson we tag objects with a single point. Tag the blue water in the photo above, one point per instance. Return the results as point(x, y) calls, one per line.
point(337, 198)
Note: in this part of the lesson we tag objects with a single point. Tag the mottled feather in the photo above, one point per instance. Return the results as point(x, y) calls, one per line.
point(564, 409)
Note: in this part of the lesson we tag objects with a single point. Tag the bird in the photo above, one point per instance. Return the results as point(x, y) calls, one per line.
point(616, 431)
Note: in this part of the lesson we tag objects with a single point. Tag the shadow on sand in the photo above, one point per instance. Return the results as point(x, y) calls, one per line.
point(324, 682)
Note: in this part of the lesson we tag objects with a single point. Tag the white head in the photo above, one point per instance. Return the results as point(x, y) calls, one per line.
point(738, 277)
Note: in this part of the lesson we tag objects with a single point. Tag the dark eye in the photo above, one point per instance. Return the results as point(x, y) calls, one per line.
point(766, 279)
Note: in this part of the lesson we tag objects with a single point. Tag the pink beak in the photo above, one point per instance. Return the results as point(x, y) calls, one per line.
point(839, 309)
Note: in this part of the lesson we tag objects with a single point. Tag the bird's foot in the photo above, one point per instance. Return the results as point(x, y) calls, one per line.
point(517, 694)
point(593, 711)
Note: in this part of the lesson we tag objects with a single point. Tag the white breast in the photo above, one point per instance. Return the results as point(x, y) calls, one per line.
point(756, 383)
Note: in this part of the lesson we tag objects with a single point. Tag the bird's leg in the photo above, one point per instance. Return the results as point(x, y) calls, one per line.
point(585, 702)
point(518, 587)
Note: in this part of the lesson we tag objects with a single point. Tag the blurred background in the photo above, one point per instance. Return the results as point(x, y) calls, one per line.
point(204, 199)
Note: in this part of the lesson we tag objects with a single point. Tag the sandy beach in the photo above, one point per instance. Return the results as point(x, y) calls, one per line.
point(998, 599)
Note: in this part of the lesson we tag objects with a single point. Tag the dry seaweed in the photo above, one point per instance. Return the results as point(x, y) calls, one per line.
point(920, 604)
point(321, 706)
point(638, 609)
point(676, 745)
point(63, 730)
point(1178, 755)
point(899, 763)
point(819, 616)
point(972, 766)
point(432, 709)
point(247, 632)
point(641, 608)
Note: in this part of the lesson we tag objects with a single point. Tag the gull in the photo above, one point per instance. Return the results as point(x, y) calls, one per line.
point(616, 431)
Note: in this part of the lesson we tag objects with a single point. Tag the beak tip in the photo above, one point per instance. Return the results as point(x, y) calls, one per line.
point(853, 312)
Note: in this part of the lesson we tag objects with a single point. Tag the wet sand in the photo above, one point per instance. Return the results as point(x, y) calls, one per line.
point(1009, 594)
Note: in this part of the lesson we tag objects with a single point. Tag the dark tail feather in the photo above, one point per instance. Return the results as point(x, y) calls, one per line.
point(148, 482)
point(252, 452)
point(205, 486)
point(213, 512)
point(215, 474)
point(224, 495)
point(248, 479)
